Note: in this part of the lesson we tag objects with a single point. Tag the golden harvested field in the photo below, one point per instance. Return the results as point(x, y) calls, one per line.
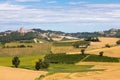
point(100, 46)
point(103, 42)
point(111, 71)
point(97, 47)
point(113, 51)
point(7, 73)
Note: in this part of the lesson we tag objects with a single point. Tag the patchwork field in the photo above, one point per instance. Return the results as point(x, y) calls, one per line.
point(71, 67)
point(102, 71)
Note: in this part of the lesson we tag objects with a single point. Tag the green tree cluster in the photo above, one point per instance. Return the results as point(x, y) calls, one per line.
point(40, 64)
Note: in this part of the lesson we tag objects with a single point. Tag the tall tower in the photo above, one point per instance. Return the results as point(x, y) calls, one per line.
point(22, 31)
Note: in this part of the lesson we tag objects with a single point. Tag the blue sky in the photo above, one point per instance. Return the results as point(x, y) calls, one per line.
point(60, 15)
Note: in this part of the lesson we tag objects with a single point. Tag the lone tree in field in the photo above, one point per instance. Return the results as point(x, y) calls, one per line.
point(16, 61)
point(118, 42)
point(101, 53)
point(83, 51)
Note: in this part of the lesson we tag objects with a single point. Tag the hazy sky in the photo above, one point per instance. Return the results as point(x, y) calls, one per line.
point(61, 15)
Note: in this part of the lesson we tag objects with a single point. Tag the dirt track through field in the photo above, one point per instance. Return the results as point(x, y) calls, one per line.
point(7, 73)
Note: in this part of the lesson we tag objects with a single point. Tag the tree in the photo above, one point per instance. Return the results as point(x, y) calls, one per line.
point(45, 64)
point(76, 45)
point(92, 39)
point(83, 51)
point(101, 53)
point(107, 45)
point(81, 44)
point(97, 39)
point(38, 64)
point(118, 42)
point(16, 61)
point(41, 64)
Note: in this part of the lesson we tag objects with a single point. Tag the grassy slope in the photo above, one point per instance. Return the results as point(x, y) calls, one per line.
point(45, 47)
point(25, 62)
point(68, 68)
point(64, 49)
point(35, 50)
point(29, 63)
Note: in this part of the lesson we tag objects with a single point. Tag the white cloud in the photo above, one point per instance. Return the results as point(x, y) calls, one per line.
point(103, 5)
point(77, 3)
point(90, 13)
point(27, 0)
point(6, 6)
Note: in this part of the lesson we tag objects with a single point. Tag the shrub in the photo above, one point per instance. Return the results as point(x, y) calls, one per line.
point(21, 46)
point(40, 77)
point(16, 61)
point(29, 46)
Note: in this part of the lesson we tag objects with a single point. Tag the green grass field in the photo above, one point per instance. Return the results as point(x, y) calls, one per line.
point(27, 62)
point(67, 68)
point(54, 68)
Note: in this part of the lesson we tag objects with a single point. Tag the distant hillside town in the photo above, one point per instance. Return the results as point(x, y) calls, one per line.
point(23, 31)
point(49, 35)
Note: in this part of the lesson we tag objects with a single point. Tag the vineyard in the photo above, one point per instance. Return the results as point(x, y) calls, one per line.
point(74, 58)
